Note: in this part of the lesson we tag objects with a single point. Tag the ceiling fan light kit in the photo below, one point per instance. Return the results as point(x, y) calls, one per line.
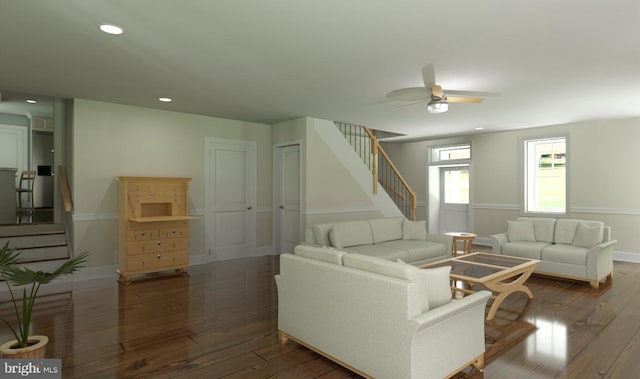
point(437, 106)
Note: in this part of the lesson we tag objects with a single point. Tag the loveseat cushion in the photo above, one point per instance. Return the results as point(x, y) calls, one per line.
point(588, 234)
point(324, 254)
point(520, 231)
point(386, 229)
point(438, 284)
point(380, 251)
point(417, 250)
point(351, 233)
point(543, 227)
point(414, 230)
point(396, 270)
point(321, 233)
point(565, 231)
point(530, 250)
point(568, 254)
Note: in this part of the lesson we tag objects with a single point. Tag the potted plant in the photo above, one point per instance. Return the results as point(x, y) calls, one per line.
point(25, 346)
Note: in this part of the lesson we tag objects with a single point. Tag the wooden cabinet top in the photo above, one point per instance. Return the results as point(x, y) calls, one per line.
point(151, 178)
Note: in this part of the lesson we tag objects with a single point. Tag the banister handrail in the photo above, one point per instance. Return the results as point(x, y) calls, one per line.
point(375, 148)
point(64, 189)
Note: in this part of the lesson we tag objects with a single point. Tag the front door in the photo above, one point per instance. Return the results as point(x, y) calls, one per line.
point(230, 193)
point(454, 198)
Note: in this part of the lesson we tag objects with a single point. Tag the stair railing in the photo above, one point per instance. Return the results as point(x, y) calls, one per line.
point(384, 172)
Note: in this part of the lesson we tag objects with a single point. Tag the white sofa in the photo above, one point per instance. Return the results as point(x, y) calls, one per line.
point(388, 238)
point(569, 248)
point(380, 319)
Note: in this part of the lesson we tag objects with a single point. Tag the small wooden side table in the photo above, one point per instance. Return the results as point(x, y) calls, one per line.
point(465, 238)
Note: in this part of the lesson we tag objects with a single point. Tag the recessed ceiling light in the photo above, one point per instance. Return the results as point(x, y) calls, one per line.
point(31, 101)
point(165, 99)
point(111, 29)
point(479, 128)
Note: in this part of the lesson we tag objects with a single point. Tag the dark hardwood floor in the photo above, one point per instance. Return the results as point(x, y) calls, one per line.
point(221, 322)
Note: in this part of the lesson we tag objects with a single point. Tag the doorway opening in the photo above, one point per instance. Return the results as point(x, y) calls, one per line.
point(448, 184)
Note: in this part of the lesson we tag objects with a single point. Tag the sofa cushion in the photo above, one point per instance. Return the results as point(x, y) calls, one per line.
point(351, 233)
point(320, 253)
point(394, 269)
point(417, 250)
point(380, 251)
point(565, 231)
point(562, 253)
point(531, 250)
point(414, 230)
point(438, 284)
point(543, 227)
point(386, 229)
point(520, 231)
point(321, 233)
point(588, 234)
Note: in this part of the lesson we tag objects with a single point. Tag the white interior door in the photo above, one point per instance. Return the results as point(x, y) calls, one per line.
point(287, 198)
point(231, 192)
point(454, 198)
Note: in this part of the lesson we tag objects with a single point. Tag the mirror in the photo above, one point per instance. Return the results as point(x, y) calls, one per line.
point(26, 143)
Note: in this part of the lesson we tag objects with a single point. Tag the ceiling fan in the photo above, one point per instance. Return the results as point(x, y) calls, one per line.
point(437, 98)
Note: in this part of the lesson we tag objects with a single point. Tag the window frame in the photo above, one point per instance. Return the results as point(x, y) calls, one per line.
point(525, 177)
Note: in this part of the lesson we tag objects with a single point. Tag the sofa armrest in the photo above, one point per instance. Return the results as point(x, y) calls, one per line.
point(433, 355)
point(441, 238)
point(600, 260)
point(497, 240)
point(444, 312)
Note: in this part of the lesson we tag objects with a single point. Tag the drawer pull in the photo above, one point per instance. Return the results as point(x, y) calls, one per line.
point(142, 234)
point(159, 243)
point(158, 256)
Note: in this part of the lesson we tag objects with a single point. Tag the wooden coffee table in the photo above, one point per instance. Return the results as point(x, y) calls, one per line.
point(502, 274)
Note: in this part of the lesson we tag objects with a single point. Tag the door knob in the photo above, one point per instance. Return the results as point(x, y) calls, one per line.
point(249, 207)
point(281, 207)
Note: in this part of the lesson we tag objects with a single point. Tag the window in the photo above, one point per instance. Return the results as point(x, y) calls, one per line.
point(456, 185)
point(546, 175)
point(450, 153)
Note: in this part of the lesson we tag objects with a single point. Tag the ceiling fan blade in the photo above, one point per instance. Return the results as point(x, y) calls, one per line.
point(436, 91)
point(428, 75)
point(414, 103)
point(409, 94)
point(472, 93)
point(456, 99)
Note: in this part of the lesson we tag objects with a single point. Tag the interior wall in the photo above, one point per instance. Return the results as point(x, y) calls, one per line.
point(112, 140)
point(602, 179)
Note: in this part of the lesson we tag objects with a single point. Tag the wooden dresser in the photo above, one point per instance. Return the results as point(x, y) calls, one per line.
point(153, 226)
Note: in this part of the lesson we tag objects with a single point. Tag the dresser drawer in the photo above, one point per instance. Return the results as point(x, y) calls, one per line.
point(158, 261)
point(157, 245)
point(142, 234)
point(178, 232)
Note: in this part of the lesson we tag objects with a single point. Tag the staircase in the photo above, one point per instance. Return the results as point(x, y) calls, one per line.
point(384, 173)
point(40, 245)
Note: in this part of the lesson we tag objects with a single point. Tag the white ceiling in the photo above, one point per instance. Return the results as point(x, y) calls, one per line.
point(267, 61)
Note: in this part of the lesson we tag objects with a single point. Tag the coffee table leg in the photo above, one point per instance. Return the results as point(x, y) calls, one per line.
point(505, 289)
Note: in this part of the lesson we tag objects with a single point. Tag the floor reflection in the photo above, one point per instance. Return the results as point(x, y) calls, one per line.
point(549, 344)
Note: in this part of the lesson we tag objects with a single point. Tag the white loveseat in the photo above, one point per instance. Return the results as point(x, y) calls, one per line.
point(390, 238)
point(380, 319)
point(569, 248)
